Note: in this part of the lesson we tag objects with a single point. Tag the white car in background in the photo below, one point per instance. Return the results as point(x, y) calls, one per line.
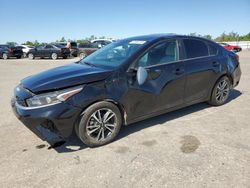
point(26, 49)
point(102, 42)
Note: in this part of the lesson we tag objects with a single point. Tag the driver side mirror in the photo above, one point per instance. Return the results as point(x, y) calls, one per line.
point(141, 75)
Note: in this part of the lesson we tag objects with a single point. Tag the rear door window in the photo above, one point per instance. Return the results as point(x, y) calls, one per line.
point(212, 49)
point(195, 48)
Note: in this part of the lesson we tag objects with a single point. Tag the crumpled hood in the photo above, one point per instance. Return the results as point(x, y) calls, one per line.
point(64, 76)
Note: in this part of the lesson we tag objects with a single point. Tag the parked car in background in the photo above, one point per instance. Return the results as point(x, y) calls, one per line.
point(87, 49)
point(102, 42)
point(126, 82)
point(7, 51)
point(229, 47)
point(53, 51)
point(74, 51)
point(25, 49)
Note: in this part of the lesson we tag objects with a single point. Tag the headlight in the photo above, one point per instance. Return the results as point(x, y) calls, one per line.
point(52, 97)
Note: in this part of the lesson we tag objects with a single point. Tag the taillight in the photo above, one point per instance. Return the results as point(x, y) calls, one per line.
point(237, 57)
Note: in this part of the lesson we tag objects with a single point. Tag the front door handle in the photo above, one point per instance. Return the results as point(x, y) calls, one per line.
point(179, 71)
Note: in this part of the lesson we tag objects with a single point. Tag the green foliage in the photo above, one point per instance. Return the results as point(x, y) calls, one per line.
point(208, 37)
point(83, 41)
point(11, 43)
point(35, 43)
point(245, 37)
point(62, 40)
point(232, 36)
point(204, 36)
point(29, 43)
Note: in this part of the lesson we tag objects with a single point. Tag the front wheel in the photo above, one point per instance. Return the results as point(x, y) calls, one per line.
point(220, 92)
point(100, 124)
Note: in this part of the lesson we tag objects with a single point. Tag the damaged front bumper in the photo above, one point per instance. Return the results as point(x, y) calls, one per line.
point(51, 122)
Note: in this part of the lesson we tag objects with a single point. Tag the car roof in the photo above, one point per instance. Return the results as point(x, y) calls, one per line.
point(153, 37)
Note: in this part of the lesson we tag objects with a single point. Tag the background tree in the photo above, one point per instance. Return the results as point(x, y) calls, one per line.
point(62, 40)
point(29, 43)
point(11, 43)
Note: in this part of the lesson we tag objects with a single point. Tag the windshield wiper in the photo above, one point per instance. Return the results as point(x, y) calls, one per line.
point(88, 63)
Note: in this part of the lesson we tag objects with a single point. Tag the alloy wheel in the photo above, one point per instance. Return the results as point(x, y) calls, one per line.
point(5, 56)
point(54, 56)
point(101, 124)
point(82, 55)
point(222, 91)
point(31, 56)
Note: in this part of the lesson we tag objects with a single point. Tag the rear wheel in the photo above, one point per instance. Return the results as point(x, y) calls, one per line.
point(65, 57)
point(100, 124)
point(54, 56)
point(31, 56)
point(18, 57)
point(221, 91)
point(5, 56)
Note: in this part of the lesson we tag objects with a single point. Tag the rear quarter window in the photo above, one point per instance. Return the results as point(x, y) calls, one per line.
point(195, 48)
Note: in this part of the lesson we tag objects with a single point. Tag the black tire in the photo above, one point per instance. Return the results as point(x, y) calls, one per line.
point(65, 57)
point(18, 57)
point(88, 120)
point(220, 96)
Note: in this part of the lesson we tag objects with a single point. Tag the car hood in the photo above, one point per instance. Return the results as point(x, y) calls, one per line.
point(64, 76)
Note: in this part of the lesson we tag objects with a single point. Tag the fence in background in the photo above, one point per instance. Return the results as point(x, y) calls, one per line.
point(243, 44)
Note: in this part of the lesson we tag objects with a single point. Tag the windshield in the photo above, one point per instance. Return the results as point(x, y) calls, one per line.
point(114, 54)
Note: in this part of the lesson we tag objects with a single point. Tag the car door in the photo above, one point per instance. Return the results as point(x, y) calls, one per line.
point(48, 49)
point(164, 87)
point(38, 51)
point(201, 69)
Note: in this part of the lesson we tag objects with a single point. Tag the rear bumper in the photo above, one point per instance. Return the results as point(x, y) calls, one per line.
point(236, 76)
point(48, 122)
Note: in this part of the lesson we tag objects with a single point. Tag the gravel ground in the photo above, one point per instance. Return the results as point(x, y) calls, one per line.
point(198, 146)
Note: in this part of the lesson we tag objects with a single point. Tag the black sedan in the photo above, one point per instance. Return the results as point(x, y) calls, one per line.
point(126, 82)
point(52, 51)
point(7, 51)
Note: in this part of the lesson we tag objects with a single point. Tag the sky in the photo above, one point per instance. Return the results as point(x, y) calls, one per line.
point(49, 20)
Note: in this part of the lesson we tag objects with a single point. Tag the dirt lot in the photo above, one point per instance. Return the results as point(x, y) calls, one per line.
point(199, 146)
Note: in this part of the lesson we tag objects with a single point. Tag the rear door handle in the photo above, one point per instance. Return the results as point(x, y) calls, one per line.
point(216, 64)
point(179, 71)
